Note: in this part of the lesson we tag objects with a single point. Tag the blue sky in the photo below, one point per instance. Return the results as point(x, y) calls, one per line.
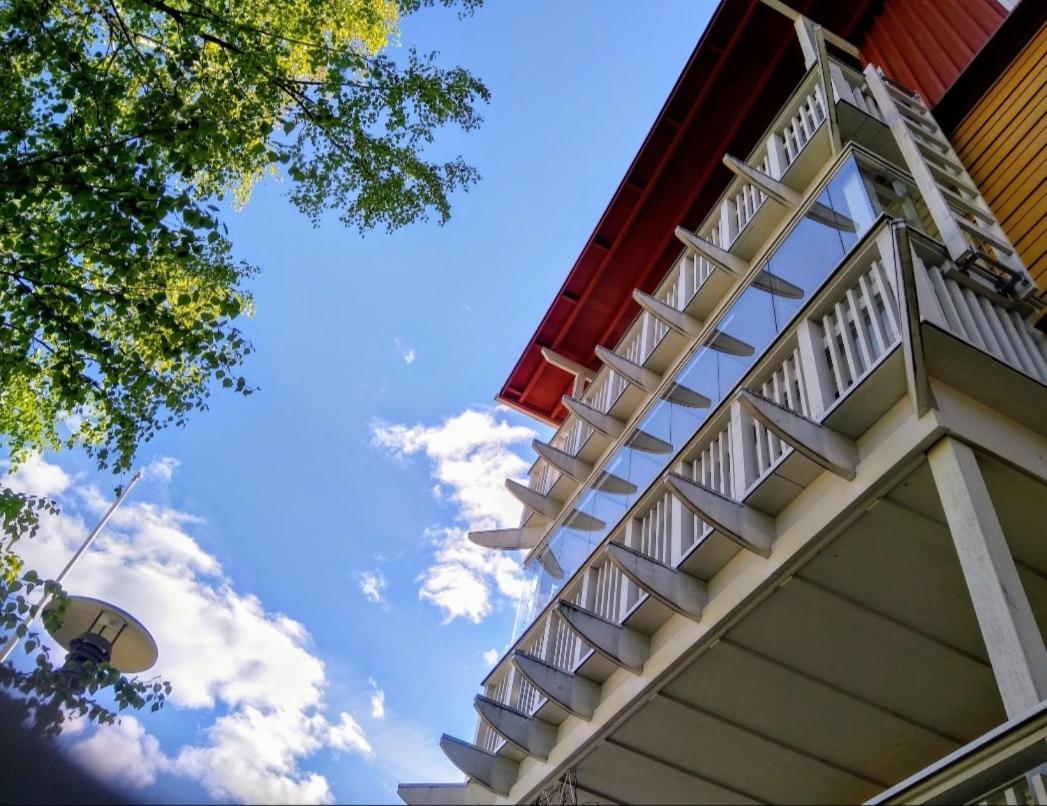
point(315, 530)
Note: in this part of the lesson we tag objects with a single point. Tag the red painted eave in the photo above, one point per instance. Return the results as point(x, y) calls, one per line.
point(742, 71)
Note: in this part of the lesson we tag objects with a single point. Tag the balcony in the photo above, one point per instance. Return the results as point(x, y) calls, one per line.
point(829, 283)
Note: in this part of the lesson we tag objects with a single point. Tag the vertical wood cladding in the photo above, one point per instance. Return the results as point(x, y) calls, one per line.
point(1003, 143)
point(926, 44)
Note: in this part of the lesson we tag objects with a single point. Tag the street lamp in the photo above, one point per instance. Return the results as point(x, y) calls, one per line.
point(12, 642)
point(98, 632)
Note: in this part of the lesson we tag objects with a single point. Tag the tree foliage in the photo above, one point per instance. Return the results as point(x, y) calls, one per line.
point(121, 122)
point(124, 125)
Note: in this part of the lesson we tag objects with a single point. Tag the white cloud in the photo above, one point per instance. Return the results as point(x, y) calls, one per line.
point(162, 468)
point(121, 754)
point(348, 735)
point(377, 700)
point(372, 583)
point(249, 671)
point(491, 657)
point(463, 577)
point(37, 477)
point(406, 352)
point(470, 458)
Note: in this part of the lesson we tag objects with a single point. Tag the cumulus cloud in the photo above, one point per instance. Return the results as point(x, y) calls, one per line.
point(121, 754)
point(36, 477)
point(372, 583)
point(250, 672)
point(470, 456)
point(491, 657)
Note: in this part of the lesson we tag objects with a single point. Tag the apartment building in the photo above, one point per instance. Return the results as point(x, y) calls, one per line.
point(788, 542)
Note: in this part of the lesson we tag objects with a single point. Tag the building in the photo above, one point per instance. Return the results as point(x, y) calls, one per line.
point(787, 543)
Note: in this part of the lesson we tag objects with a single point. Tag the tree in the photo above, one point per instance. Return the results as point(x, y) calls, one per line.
point(122, 123)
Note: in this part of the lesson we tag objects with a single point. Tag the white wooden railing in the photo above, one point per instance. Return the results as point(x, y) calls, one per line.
point(801, 125)
point(860, 327)
point(787, 388)
point(991, 327)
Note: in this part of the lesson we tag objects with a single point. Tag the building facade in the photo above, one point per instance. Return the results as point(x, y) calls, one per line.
point(788, 540)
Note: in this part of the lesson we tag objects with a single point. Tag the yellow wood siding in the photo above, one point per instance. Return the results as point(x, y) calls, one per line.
point(1003, 144)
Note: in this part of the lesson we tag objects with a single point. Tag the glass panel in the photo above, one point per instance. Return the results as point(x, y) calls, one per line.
point(850, 201)
point(830, 227)
point(750, 321)
point(813, 245)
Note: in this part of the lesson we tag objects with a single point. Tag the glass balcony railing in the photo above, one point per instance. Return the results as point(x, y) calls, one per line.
point(818, 242)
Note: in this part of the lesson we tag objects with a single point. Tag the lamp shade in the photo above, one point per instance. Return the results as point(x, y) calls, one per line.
point(133, 648)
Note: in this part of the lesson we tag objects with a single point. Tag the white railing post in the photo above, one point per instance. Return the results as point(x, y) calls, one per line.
point(926, 298)
point(743, 451)
point(728, 228)
point(677, 514)
point(841, 85)
point(814, 369)
point(775, 157)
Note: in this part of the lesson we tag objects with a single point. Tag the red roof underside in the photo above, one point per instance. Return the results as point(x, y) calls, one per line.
point(742, 71)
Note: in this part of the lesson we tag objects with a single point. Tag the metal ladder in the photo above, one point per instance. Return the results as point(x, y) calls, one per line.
point(971, 234)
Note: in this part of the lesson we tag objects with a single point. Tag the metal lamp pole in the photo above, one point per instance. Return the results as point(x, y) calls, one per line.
point(34, 611)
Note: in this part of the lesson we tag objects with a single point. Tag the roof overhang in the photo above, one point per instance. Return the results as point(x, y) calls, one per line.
point(743, 69)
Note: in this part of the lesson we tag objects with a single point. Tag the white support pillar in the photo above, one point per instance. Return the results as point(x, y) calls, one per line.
point(1012, 637)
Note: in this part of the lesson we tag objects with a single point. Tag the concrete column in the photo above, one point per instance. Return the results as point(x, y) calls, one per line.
point(1012, 637)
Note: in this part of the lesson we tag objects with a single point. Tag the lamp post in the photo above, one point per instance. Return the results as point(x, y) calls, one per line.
point(34, 611)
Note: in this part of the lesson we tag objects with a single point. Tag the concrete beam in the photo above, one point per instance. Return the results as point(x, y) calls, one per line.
point(824, 214)
point(569, 691)
point(507, 539)
point(773, 284)
point(569, 465)
point(567, 365)
point(1012, 637)
point(721, 258)
point(610, 483)
point(494, 772)
point(610, 427)
point(648, 443)
point(668, 315)
point(619, 644)
point(542, 504)
point(820, 444)
point(635, 374)
point(771, 187)
point(750, 529)
point(689, 326)
point(468, 793)
point(583, 521)
point(548, 561)
point(578, 470)
point(718, 340)
point(536, 737)
point(675, 589)
point(683, 396)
